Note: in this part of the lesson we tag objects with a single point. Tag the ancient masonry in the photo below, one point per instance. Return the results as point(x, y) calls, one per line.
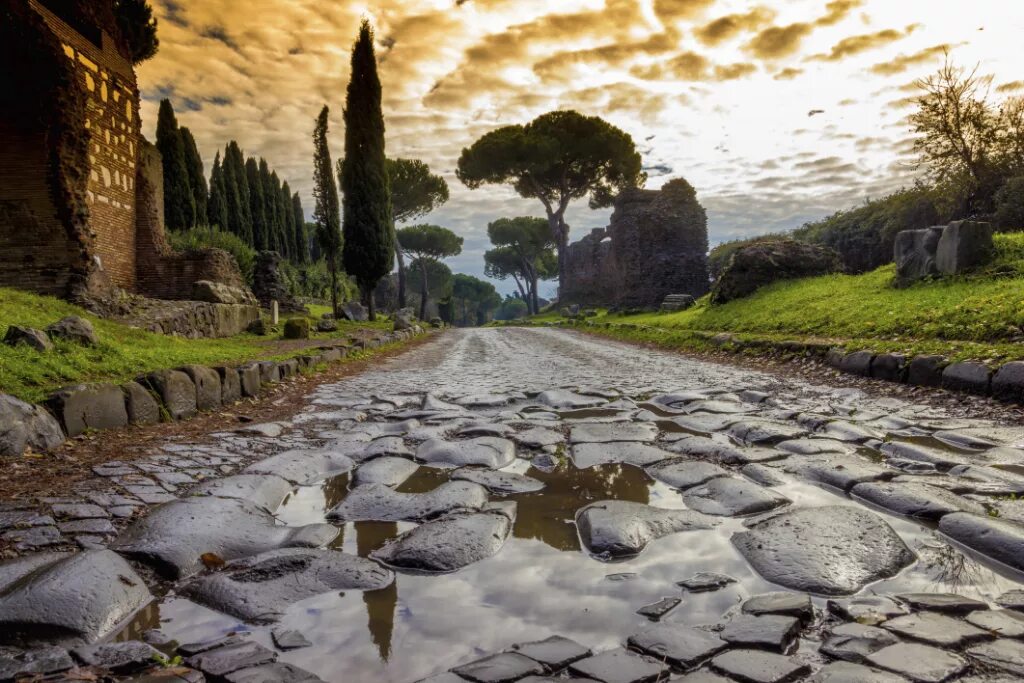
point(655, 245)
point(81, 193)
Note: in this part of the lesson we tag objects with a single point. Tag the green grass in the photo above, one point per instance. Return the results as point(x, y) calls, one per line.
point(123, 353)
point(979, 315)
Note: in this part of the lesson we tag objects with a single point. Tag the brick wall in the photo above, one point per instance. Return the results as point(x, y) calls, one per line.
point(112, 122)
point(162, 272)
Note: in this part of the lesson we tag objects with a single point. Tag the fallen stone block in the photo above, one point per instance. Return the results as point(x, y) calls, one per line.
point(447, 544)
point(964, 246)
point(94, 406)
point(34, 338)
point(269, 372)
point(857, 363)
point(230, 384)
point(891, 367)
point(73, 329)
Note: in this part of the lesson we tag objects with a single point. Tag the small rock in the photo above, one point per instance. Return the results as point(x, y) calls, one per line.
point(619, 666)
point(1002, 622)
point(867, 609)
point(73, 329)
point(275, 672)
point(555, 653)
point(503, 667)
point(118, 657)
point(781, 602)
point(31, 337)
point(681, 646)
point(845, 672)
point(46, 660)
point(753, 666)
point(949, 603)
point(614, 528)
point(1004, 654)
point(289, 639)
point(731, 496)
point(706, 581)
point(655, 611)
point(238, 655)
point(771, 631)
point(919, 662)
point(854, 642)
point(936, 629)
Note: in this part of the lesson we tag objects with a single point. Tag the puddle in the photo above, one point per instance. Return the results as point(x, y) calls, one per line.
point(541, 583)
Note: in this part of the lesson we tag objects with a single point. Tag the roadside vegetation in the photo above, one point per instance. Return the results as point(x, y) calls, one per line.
point(980, 315)
point(123, 352)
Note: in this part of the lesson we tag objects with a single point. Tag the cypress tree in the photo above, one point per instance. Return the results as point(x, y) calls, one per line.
point(284, 209)
point(326, 214)
point(257, 208)
point(369, 239)
point(272, 189)
point(237, 186)
point(302, 246)
point(217, 210)
point(196, 177)
point(179, 206)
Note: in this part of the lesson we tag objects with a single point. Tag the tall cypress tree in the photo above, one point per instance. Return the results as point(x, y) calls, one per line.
point(272, 187)
point(196, 176)
point(257, 208)
point(237, 191)
point(369, 250)
point(217, 210)
point(179, 206)
point(302, 246)
point(326, 214)
point(284, 210)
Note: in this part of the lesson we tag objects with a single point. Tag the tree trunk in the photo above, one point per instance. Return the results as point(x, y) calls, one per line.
point(423, 298)
point(401, 274)
point(534, 299)
point(522, 290)
point(334, 287)
point(368, 300)
point(561, 235)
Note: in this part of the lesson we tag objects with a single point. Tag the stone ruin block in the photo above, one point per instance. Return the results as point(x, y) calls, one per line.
point(956, 248)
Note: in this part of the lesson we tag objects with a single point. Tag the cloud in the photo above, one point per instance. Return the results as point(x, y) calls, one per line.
point(1012, 86)
point(731, 25)
point(847, 47)
point(788, 74)
point(690, 66)
point(673, 10)
point(782, 41)
point(901, 63)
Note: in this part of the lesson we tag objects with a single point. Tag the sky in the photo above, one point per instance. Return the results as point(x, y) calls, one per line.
point(776, 112)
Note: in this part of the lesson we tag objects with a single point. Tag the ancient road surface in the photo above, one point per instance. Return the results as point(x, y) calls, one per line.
point(505, 503)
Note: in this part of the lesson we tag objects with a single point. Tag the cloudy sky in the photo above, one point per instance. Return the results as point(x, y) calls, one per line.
point(720, 92)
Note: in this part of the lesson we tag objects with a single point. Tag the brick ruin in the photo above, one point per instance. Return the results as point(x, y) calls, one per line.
point(656, 244)
point(81, 191)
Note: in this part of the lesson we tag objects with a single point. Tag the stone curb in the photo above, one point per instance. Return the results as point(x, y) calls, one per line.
point(169, 395)
point(1004, 383)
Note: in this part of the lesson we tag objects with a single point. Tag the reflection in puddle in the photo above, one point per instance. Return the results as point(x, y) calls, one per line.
point(540, 584)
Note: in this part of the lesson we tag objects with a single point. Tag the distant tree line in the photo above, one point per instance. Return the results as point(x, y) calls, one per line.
point(972, 152)
point(244, 196)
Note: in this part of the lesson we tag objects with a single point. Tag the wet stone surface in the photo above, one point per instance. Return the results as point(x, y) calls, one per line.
point(471, 508)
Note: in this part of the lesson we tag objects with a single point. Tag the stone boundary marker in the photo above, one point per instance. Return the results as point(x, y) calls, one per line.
point(159, 396)
point(1004, 383)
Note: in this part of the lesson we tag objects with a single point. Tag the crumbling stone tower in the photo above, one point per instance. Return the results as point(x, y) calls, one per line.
point(656, 245)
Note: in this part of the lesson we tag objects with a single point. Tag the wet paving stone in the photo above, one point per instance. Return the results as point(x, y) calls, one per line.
point(936, 629)
point(685, 474)
point(260, 589)
point(232, 657)
point(754, 666)
point(769, 632)
point(289, 639)
point(780, 602)
point(1012, 600)
point(732, 497)
point(999, 539)
point(586, 455)
point(615, 528)
point(118, 657)
point(608, 433)
point(681, 646)
point(484, 451)
point(846, 672)
point(796, 549)
point(275, 672)
point(173, 538)
point(1004, 622)
point(915, 500)
point(501, 483)
point(948, 603)
point(379, 503)
point(447, 544)
point(921, 663)
point(867, 609)
point(853, 642)
point(47, 660)
point(555, 652)
point(620, 666)
point(1004, 654)
point(503, 667)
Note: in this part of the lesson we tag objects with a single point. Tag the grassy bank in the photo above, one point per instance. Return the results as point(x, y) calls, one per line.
point(976, 316)
point(123, 352)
